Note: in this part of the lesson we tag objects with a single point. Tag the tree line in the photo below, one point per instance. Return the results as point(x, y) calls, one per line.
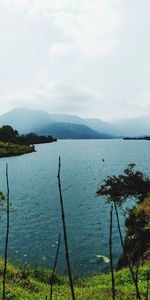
point(10, 135)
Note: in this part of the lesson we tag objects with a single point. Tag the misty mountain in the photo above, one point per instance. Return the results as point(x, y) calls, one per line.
point(95, 124)
point(71, 131)
point(25, 120)
point(100, 125)
point(40, 122)
point(138, 126)
point(64, 118)
point(64, 126)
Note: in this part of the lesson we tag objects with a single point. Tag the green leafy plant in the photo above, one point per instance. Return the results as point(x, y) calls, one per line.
point(130, 184)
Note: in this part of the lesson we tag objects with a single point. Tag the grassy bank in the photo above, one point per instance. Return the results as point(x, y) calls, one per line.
point(9, 149)
point(34, 284)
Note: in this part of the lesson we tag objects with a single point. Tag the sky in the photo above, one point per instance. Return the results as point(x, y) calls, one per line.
point(83, 57)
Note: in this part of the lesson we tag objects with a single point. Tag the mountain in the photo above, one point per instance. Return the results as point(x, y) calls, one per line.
point(65, 126)
point(71, 131)
point(138, 126)
point(100, 125)
point(64, 118)
point(25, 120)
point(95, 124)
point(40, 122)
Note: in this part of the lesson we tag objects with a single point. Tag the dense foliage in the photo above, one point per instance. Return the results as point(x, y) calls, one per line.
point(117, 189)
point(130, 184)
point(137, 241)
point(33, 138)
point(8, 134)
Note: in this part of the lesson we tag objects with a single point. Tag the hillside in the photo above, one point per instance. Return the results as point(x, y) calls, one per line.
point(34, 284)
point(72, 131)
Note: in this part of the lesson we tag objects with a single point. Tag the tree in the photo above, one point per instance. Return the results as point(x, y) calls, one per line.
point(8, 134)
point(130, 184)
point(117, 189)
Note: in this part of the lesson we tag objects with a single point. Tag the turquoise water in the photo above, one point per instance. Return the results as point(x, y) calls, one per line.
point(35, 210)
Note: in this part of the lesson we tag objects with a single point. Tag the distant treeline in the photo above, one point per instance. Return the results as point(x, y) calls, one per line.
point(138, 138)
point(9, 135)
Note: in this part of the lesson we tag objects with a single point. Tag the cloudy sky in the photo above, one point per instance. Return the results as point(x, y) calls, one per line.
point(90, 58)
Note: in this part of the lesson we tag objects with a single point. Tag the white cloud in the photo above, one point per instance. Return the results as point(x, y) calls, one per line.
point(61, 49)
point(129, 108)
point(142, 104)
point(85, 49)
point(89, 26)
point(55, 96)
point(61, 97)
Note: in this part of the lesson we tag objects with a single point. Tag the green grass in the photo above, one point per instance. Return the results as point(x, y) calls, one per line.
point(9, 149)
point(34, 284)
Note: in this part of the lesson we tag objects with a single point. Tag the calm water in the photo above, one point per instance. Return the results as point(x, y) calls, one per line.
point(35, 211)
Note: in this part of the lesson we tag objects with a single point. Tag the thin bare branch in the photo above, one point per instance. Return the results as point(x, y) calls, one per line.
point(7, 237)
point(65, 232)
point(111, 256)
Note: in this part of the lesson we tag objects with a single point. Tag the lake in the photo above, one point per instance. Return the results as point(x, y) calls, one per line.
point(35, 207)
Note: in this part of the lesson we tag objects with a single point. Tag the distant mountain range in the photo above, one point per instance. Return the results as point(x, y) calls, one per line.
point(72, 131)
point(72, 126)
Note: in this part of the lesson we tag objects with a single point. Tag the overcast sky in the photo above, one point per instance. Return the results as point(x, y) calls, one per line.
point(84, 57)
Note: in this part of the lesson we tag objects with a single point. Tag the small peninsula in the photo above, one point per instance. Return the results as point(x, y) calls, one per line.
point(13, 144)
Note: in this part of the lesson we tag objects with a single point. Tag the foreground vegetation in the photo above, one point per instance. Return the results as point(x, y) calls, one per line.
point(131, 184)
point(137, 240)
point(9, 149)
point(35, 284)
point(13, 144)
